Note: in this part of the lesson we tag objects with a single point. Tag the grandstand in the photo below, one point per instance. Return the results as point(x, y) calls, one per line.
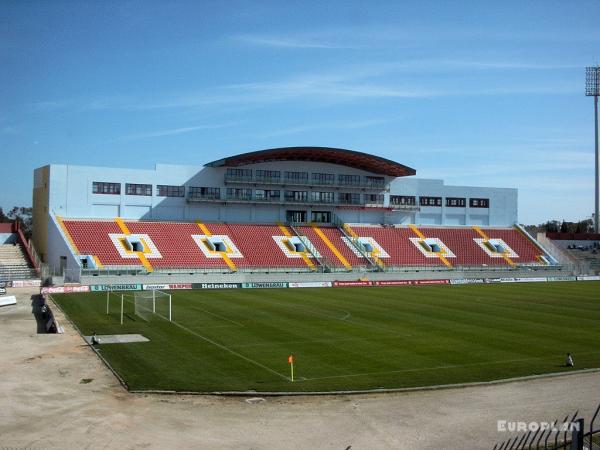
point(174, 245)
point(582, 249)
point(289, 210)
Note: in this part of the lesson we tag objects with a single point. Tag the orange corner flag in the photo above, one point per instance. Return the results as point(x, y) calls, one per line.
point(291, 363)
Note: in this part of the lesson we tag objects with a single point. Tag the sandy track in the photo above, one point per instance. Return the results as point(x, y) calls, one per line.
point(44, 404)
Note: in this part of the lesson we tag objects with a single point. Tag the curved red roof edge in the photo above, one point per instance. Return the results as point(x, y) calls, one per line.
point(349, 158)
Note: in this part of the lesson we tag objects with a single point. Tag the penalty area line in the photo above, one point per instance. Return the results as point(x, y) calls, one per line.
point(233, 352)
point(227, 349)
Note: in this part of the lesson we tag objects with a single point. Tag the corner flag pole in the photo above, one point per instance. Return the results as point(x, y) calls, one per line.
point(291, 363)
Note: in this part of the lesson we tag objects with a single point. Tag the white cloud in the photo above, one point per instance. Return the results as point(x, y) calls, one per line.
point(378, 80)
point(175, 131)
point(324, 126)
point(382, 36)
point(298, 42)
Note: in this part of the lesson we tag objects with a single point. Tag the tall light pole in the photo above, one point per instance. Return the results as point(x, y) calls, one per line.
point(592, 89)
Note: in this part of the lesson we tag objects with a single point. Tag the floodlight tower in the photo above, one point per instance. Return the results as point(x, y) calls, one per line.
point(592, 88)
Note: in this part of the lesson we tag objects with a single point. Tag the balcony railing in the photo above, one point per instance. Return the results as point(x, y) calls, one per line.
point(350, 201)
point(193, 196)
point(224, 198)
point(405, 207)
point(304, 182)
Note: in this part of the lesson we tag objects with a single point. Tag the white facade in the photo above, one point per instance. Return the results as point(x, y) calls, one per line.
point(70, 194)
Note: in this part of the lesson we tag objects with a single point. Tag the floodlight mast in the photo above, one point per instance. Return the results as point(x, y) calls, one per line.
point(592, 89)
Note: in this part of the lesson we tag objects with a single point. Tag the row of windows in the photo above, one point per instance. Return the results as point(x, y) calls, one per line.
point(269, 194)
point(291, 196)
point(315, 216)
point(100, 187)
point(451, 202)
point(302, 177)
point(138, 189)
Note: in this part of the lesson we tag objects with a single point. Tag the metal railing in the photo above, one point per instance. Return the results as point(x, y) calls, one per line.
point(214, 198)
point(139, 270)
point(321, 260)
point(489, 269)
point(305, 182)
point(572, 434)
point(341, 226)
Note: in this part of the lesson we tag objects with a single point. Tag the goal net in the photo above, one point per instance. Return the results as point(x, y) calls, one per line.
point(153, 303)
point(114, 304)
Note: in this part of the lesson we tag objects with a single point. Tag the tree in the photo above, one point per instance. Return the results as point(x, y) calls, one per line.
point(22, 215)
point(551, 226)
point(564, 227)
point(585, 226)
point(3, 218)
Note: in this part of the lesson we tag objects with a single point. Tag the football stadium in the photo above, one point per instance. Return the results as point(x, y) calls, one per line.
point(304, 270)
point(301, 272)
point(299, 225)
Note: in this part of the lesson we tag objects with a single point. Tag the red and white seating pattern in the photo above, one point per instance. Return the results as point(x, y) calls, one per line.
point(258, 245)
point(181, 245)
point(232, 250)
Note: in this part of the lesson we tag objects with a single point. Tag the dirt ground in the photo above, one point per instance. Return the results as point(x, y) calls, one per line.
point(48, 401)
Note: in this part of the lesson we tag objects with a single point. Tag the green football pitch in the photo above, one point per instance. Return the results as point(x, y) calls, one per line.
point(347, 338)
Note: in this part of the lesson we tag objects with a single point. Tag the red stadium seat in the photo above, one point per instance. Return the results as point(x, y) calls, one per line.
point(259, 248)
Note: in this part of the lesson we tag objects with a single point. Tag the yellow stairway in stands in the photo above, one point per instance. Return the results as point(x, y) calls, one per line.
point(224, 254)
point(67, 235)
point(375, 251)
point(485, 237)
point(440, 255)
point(303, 255)
point(140, 255)
point(331, 247)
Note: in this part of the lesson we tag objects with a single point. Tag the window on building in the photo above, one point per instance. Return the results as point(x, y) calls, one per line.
point(430, 201)
point(239, 194)
point(267, 195)
point(138, 189)
point(295, 216)
point(320, 216)
point(268, 175)
point(100, 187)
point(374, 199)
point(296, 196)
point(403, 200)
point(479, 202)
point(323, 178)
point(239, 174)
point(163, 190)
point(322, 197)
point(296, 177)
point(376, 182)
point(209, 193)
point(456, 202)
point(349, 180)
point(349, 198)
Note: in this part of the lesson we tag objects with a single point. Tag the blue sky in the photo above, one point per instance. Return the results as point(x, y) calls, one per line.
point(475, 93)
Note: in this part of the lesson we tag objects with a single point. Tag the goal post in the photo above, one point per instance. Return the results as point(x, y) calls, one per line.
point(153, 303)
point(113, 298)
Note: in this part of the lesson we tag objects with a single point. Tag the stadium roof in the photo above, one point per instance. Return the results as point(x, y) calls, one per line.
point(350, 158)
